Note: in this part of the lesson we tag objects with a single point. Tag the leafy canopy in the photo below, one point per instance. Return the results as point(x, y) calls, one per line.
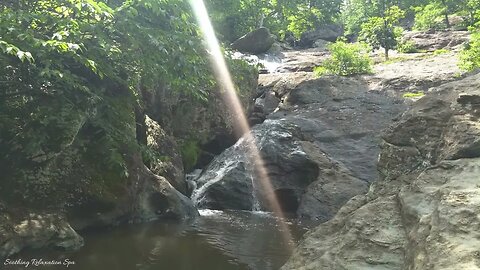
point(382, 31)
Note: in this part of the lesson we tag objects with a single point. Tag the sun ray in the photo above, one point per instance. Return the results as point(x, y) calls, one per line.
point(232, 101)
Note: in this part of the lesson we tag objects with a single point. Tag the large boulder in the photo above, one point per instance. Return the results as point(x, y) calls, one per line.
point(255, 42)
point(327, 33)
point(166, 159)
point(36, 231)
point(230, 181)
point(319, 145)
point(423, 213)
point(145, 196)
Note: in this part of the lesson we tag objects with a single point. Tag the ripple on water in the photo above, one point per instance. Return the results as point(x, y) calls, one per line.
point(218, 240)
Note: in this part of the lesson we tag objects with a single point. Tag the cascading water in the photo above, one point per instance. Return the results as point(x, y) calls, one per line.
point(269, 62)
point(218, 175)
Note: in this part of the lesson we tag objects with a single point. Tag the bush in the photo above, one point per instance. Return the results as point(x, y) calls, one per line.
point(346, 59)
point(470, 56)
point(190, 151)
point(407, 46)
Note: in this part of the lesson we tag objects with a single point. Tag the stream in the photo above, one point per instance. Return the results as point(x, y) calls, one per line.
point(217, 240)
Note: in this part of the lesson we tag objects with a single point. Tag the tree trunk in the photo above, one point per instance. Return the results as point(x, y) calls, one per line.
point(447, 21)
point(386, 53)
point(140, 126)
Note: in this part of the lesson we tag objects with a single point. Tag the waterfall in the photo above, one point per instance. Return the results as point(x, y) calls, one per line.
point(198, 193)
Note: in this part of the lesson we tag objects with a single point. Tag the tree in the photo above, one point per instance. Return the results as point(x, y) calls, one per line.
point(72, 78)
point(234, 18)
point(427, 17)
point(382, 31)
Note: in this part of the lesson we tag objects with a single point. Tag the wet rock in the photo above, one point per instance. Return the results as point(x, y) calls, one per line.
point(230, 181)
point(148, 197)
point(422, 213)
point(320, 147)
point(36, 231)
point(264, 105)
point(255, 42)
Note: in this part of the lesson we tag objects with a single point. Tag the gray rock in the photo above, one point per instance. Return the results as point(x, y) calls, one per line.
point(166, 146)
point(264, 105)
point(230, 181)
point(320, 147)
point(255, 42)
point(326, 32)
point(36, 231)
point(423, 213)
point(149, 197)
point(435, 40)
point(321, 44)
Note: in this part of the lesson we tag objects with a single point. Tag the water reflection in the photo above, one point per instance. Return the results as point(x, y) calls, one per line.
point(216, 241)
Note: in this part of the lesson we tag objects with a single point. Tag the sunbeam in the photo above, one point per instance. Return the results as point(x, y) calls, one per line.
point(242, 127)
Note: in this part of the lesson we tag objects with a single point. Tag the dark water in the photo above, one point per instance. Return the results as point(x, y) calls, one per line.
point(216, 241)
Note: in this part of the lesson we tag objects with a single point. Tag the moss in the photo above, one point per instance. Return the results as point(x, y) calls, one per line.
point(413, 95)
point(190, 151)
point(441, 51)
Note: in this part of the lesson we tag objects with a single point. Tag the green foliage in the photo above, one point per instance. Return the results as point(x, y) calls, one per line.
point(470, 56)
point(346, 59)
point(72, 73)
point(190, 151)
point(234, 18)
point(407, 46)
point(441, 51)
point(357, 12)
point(413, 95)
point(382, 31)
point(430, 16)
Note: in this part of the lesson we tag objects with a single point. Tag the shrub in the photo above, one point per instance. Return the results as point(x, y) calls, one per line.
point(346, 59)
point(407, 46)
point(190, 151)
point(470, 56)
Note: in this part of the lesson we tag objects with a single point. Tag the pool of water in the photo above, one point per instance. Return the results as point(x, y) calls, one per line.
point(217, 240)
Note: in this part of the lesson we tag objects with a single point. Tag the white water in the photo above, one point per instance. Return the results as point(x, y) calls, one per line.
point(269, 62)
point(198, 193)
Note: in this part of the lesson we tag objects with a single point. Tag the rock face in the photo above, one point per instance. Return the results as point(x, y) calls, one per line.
point(208, 125)
point(423, 213)
point(416, 73)
point(171, 167)
point(147, 197)
point(255, 42)
point(319, 147)
point(435, 40)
